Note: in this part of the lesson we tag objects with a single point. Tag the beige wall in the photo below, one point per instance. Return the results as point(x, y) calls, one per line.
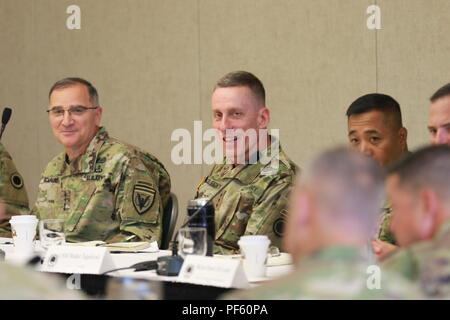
point(154, 63)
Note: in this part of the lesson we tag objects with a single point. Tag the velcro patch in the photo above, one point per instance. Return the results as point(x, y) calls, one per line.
point(16, 180)
point(278, 227)
point(143, 196)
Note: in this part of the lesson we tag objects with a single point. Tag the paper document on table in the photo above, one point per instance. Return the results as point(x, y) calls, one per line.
point(280, 259)
point(121, 246)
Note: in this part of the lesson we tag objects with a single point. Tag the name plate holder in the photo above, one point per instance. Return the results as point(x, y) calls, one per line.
point(77, 259)
point(210, 271)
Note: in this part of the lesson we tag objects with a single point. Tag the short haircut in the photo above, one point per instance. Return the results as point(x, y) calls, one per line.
point(428, 167)
point(245, 79)
point(441, 92)
point(379, 102)
point(68, 82)
point(348, 185)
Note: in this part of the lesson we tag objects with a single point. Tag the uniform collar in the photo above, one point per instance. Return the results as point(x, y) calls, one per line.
point(86, 162)
point(253, 170)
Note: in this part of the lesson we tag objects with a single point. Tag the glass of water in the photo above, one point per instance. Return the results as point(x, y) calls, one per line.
point(51, 232)
point(192, 240)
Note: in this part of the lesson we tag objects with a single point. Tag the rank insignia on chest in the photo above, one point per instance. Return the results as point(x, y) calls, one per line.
point(212, 183)
point(143, 196)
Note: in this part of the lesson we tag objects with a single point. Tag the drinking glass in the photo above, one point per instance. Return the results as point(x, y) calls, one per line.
point(51, 232)
point(192, 240)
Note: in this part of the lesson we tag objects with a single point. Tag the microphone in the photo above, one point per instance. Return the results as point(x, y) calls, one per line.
point(171, 265)
point(5, 119)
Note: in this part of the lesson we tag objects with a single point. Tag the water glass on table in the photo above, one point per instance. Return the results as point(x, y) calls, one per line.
point(51, 232)
point(192, 240)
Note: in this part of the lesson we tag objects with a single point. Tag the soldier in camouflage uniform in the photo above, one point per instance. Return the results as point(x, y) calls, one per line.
point(21, 283)
point(105, 190)
point(419, 187)
point(333, 208)
point(375, 128)
point(255, 202)
point(13, 196)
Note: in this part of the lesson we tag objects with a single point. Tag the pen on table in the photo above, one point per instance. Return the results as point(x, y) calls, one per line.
point(129, 252)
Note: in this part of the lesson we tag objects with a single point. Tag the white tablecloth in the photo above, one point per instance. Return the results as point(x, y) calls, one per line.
point(127, 259)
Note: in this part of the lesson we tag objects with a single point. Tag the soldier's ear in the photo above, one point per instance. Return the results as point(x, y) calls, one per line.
point(429, 214)
point(403, 135)
point(98, 116)
point(263, 118)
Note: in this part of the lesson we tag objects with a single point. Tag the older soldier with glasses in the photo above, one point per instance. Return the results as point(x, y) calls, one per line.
point(104, 189)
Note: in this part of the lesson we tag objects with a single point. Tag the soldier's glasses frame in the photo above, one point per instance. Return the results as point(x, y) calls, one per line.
point(58, 112)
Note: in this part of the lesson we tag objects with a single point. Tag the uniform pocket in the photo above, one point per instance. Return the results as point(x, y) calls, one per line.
point(236, 222)
point(80, 202)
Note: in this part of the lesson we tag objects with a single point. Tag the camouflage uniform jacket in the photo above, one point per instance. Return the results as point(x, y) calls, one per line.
point(427, 262)
point(113, 192)
point(385, 233)
point(12, 192)
point(23, 283)
point(255, 203)
point(331, 273)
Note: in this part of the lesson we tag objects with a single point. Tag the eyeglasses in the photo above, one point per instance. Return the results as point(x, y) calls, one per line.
point(77, 111)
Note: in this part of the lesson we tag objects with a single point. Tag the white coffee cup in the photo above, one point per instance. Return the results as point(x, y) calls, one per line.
point(23, 228)
point(254, 251)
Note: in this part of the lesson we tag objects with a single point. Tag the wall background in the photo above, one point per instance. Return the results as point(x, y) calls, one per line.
point(154, 63)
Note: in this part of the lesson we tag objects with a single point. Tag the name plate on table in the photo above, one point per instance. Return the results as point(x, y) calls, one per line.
point(210, 271)
point(77, 259)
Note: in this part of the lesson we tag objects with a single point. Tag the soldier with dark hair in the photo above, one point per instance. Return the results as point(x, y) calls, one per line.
point(376, 129)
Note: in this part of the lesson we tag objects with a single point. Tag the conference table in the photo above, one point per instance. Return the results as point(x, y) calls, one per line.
point(167, 287)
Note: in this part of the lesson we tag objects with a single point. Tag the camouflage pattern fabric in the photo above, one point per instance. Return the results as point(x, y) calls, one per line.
point(20, 283)
point(113, 192)
point(427, 262)
point(12, 192)
point(255, 203)
point(385, 234)
point(331, 273)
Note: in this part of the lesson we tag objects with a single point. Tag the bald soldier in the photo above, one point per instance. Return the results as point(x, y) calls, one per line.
point(13, 196)
point(255, 201)
point(104, 189)
point(419, 188)
point(375, 128)
point(439, 116)
point(334, 207)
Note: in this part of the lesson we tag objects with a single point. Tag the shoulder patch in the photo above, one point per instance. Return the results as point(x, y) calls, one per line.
point(16, 180)
point(278, 227)
point(143, 196)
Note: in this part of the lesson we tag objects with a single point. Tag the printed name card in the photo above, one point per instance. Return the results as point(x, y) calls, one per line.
point(210, 271)
point(77, 259)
